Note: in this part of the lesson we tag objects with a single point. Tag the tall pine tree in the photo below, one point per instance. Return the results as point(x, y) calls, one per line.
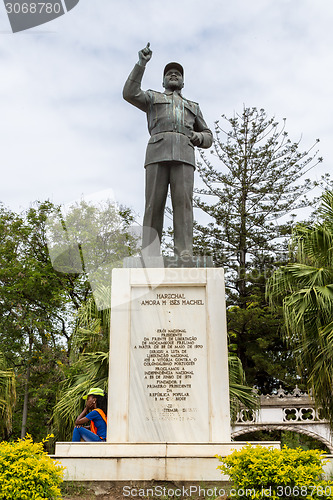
point(254, 179)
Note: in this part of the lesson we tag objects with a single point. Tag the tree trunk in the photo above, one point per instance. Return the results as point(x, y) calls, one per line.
point(26, 392)
point(243, 219)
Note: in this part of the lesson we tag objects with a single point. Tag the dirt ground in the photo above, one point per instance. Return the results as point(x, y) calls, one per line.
point(81, 492)
point(120, 496)
point(116, 491)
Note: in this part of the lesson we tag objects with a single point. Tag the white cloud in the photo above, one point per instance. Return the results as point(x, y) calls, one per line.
point(65, 130)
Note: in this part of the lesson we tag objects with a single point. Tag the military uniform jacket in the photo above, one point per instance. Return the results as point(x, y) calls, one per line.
point(171, 121)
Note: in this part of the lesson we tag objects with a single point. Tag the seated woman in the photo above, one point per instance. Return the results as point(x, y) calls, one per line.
point(94, 413)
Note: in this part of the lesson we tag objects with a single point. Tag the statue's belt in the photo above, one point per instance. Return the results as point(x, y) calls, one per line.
point(179, 129)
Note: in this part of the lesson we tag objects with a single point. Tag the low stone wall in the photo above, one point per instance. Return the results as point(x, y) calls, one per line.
point(145, 461)
point(328, 467)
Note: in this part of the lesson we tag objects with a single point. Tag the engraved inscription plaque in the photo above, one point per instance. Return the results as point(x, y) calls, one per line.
point(168, 377)
point(168, 399)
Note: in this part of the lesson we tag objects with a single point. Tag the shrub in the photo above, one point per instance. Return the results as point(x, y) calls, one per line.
point(260, 472)
point(27, 472)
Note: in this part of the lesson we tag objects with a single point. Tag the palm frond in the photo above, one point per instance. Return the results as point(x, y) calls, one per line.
point(305, 289)
point(92, 372)
point(240, 395)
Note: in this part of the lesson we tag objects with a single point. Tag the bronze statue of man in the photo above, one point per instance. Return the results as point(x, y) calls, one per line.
point(176, 126)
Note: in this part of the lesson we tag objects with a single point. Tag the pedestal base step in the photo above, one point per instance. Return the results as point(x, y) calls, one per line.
point(145, 461)
point(201, 261)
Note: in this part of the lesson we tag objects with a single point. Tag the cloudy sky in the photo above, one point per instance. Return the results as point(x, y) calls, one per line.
point(66, 131)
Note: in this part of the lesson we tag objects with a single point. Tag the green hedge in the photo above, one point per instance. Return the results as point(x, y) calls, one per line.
point(258, 472)
point(27, 472)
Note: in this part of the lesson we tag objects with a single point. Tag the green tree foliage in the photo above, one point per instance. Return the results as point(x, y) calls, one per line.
point(255, 185)
point(305, 288)
point(290, 439)
point(92, 239)
point(89, 365)
point(266, 359)
point(252, 182)
point(33, 304)
point(38, 301)
point(241, 396)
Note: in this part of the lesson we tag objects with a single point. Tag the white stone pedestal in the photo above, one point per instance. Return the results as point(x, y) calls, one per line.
point(168, 357)
point(168, 409)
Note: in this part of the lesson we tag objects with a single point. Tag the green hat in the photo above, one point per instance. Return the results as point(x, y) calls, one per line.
point(94, 391)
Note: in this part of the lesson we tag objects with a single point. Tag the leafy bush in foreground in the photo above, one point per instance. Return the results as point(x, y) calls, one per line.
point(27, 472)
point(258, 472)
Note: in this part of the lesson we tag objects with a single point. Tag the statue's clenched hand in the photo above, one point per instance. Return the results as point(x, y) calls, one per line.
point(145, 55)
point(196, 138)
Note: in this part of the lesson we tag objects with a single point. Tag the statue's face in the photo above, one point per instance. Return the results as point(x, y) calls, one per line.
point(173, 80)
